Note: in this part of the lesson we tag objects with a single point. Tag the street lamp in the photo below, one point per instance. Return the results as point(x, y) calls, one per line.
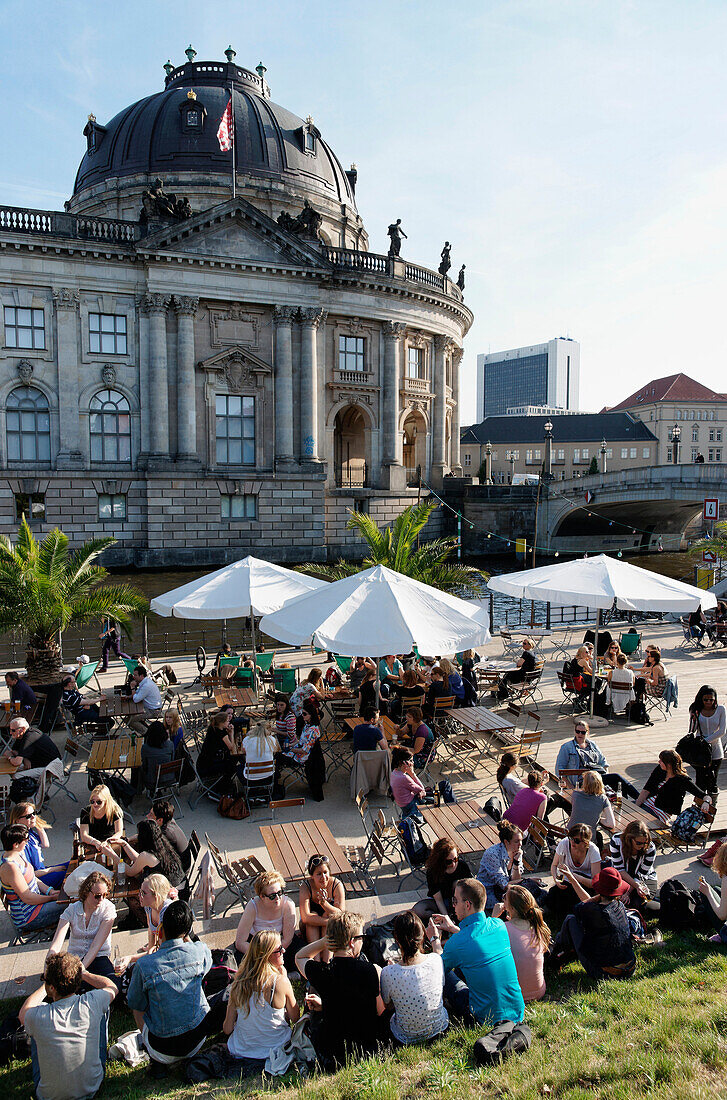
point(488, 463)
point(548, 429)
point(510, 456)
point(675, 435)
point(603, 456)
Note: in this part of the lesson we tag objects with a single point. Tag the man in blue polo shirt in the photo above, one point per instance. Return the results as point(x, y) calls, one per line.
point(481, 983)
point(368, 735)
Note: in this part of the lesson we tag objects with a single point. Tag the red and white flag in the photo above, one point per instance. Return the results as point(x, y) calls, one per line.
point(224, 134)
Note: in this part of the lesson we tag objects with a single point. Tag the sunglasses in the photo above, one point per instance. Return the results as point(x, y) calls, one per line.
point(24, 817)
point(278, 951)
point(96, 802)
point(579, 729)
point(451, 860)
point(275, 895)
point(98, 897)
point(316, 861)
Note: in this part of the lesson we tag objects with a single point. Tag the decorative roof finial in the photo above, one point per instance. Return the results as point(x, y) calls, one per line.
point(191, 53)
point(260, 69)
point(191, 94)
point(168, 68)
point(309, 120)
point(230, 54)
point(91, 118)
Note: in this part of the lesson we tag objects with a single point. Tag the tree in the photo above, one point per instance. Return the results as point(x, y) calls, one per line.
point(718, 543)
point(396, 547)
point(593, 468)
point(45, 588)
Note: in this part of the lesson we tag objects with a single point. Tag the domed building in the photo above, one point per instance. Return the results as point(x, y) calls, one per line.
point(206, 360)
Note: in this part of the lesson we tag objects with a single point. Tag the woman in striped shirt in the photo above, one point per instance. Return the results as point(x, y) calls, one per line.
point(32, 904)
point(634, 853)
point(284, 722)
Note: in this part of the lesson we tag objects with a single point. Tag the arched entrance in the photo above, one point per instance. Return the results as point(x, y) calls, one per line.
point(415, 447)
point(349, 448)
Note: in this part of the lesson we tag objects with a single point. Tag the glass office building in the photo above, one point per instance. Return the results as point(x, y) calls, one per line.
point(542, 374)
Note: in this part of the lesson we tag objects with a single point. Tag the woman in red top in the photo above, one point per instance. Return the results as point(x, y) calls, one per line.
point(528, 803)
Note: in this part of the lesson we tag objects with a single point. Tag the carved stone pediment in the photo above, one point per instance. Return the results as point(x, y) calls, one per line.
point(239, 367)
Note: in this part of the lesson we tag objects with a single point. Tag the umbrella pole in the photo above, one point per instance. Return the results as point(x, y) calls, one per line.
point(252, 630)
point(595, 661)
point(224, 631)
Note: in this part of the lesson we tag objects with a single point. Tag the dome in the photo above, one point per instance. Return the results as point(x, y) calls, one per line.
point(175, 131)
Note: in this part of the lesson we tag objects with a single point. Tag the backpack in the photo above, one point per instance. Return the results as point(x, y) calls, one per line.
point(688, 822)
point(235, 808)
point(680, 907)
point(221, 973)
point(505, 1039)
point(694, 750)
point(445, 789)
point(637, 713)
point(14, 1043)
point(379, 944)
point(417, 849)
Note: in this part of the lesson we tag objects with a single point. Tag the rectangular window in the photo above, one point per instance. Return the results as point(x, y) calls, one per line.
point(32, 506)
point(695, 452)
point(711, 435)
point(586, 453)
point(624, 452)
point(678, 415)
point(537, 453)
point(718, 454)
point(361, 505)
point(111, 506)
point(528, 456)
point(24, 328)
point(351, 353)
point(239, 507)
point(107, 333)
point(609, 452)
point(710, 454)
point(668, 454)
point(634, 451)
point(577, 454)
point(645, 452)
point(415, 362)
point(561, 454)
point(468, 460)
point(235, 430)
point(718, 435)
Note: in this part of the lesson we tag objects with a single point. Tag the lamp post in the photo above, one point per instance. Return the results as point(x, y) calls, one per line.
point(510, 456)
point(548, 429)
point(488, 463)
point(674, 436)
point(603, 456)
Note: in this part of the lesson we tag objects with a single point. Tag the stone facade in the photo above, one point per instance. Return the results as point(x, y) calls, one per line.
point(215, 386)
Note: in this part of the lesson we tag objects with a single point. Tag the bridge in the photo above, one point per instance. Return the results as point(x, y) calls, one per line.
point(631, 510)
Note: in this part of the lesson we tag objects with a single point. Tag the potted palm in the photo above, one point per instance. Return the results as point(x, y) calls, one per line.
point(46, 588)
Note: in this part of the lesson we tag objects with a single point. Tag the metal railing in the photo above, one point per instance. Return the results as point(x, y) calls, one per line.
point(352, 475)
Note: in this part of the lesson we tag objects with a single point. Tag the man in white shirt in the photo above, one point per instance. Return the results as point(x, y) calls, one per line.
point(144, 690)
point(68, 1036)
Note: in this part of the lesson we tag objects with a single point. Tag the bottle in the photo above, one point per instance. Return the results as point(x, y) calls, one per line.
point(438, 797)
point(619, 800)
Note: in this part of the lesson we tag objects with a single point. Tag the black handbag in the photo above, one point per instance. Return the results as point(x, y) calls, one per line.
point(694, 750)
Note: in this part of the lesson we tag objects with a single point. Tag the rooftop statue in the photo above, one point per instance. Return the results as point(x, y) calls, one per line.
point(395, 234)
point(306, 224)
point(156, 204)
point(446, 262)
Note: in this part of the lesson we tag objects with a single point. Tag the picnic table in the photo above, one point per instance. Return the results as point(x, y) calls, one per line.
point(463, 823)
point(235, 697)
point(6, 768)
point(8, 712)
point(624, 815)
point(291, 845)
point(119, 890)
point(115, 754)
point(115, 706)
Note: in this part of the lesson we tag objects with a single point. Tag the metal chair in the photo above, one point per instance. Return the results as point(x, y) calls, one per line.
point(563, 646)
point(166, 782)
point(572, 694)
point(262, 776)
point(510, 647)
point(442, 723)
point(205, 788)
point(55, 785)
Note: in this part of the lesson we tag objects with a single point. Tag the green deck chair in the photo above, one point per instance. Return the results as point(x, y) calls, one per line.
point(630, 643)
point(131, 665)
point(264, 660)
point(86, 673)
point(285, 680)
point(244, 677)
point(344, 664)
point(230, 661)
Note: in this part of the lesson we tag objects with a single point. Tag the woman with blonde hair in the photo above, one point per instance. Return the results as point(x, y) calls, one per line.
point(590, 804)
point(454, 680)
point(90, 921)
point(718, 903)
point(529, 939)
point(173, 725)
point(269, 911)
point(262, 1005)
point(260, 746)
point(156, 894)
point(23, 813)
point(101, 821)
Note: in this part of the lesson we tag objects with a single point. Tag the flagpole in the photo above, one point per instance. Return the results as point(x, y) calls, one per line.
point(232, 122)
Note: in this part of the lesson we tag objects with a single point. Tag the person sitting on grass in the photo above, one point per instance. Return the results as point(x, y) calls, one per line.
point(576, 854)
point(501, 863)
point(598, 930)
point(369, 734)
point(407, 789)
point(529, 802)
point(444, 868)
point(90, 921)
point(717, 903)
point(68, 1034)
point(414, 986)
point(481, 983)
point(261, 1007)
point(269, 911)
point(529, 939)
point(633, 854)
point(156, 894)
point(166, 994)
point(667, 787)
point(321, 897)
point(345, 1005)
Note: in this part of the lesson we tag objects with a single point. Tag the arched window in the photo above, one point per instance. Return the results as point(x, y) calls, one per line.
point(110, 427)
point(27, 425)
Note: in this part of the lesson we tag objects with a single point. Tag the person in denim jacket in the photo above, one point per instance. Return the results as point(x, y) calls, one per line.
point(166, 994)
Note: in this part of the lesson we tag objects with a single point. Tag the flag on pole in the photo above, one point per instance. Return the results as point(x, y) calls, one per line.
point(224, 134)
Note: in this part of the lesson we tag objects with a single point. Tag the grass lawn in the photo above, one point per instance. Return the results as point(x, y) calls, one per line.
point(663, 1032)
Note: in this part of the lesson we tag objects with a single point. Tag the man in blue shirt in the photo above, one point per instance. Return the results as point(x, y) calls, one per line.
point(481, 983)
point(368, 735)
point(20, 691)
point(583, 753)
point(166, 995)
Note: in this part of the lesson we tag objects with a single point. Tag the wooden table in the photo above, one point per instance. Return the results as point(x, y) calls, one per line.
point(235, 697)
point(628, 812)
point(389, 727)
point(480, 720)
point(452, 821)
point(118, 891)
point(290, 847)
point(106, 754)
point(6, 716)
point(115, 706)
point(6, 768)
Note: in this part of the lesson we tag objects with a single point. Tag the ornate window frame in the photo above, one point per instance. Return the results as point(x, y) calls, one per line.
point(237, 371)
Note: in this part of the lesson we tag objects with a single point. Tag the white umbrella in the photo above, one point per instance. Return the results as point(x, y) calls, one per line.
point(247, 587)
point(600, 582)
point(379, 611)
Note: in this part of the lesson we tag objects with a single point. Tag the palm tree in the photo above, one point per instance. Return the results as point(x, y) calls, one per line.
point(45, 588)
point(717, 542)
point(397, 548)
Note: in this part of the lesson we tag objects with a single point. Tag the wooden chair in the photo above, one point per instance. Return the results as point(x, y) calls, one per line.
point(363, 861)
point(234, 883)
point(42, 935)
point(284, 803)
point(529, 688)
point(442, 723)
point(362, 805)
point(664, 837)
point(570, 773)
point(573, 695)
point(537, 838)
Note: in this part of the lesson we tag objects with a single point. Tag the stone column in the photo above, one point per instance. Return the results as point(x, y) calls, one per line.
point(310, 319)
point(457, 354)
point(283, 364)
point(439, 425)
point(156, 305)
point(69, 357)
point(186, 309)
point(390, 387)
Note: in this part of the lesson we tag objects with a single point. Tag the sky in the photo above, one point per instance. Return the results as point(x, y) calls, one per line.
point(574, 152)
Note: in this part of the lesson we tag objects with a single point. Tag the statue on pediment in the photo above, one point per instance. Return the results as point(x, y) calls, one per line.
point(306, 225)
point(157, 205)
